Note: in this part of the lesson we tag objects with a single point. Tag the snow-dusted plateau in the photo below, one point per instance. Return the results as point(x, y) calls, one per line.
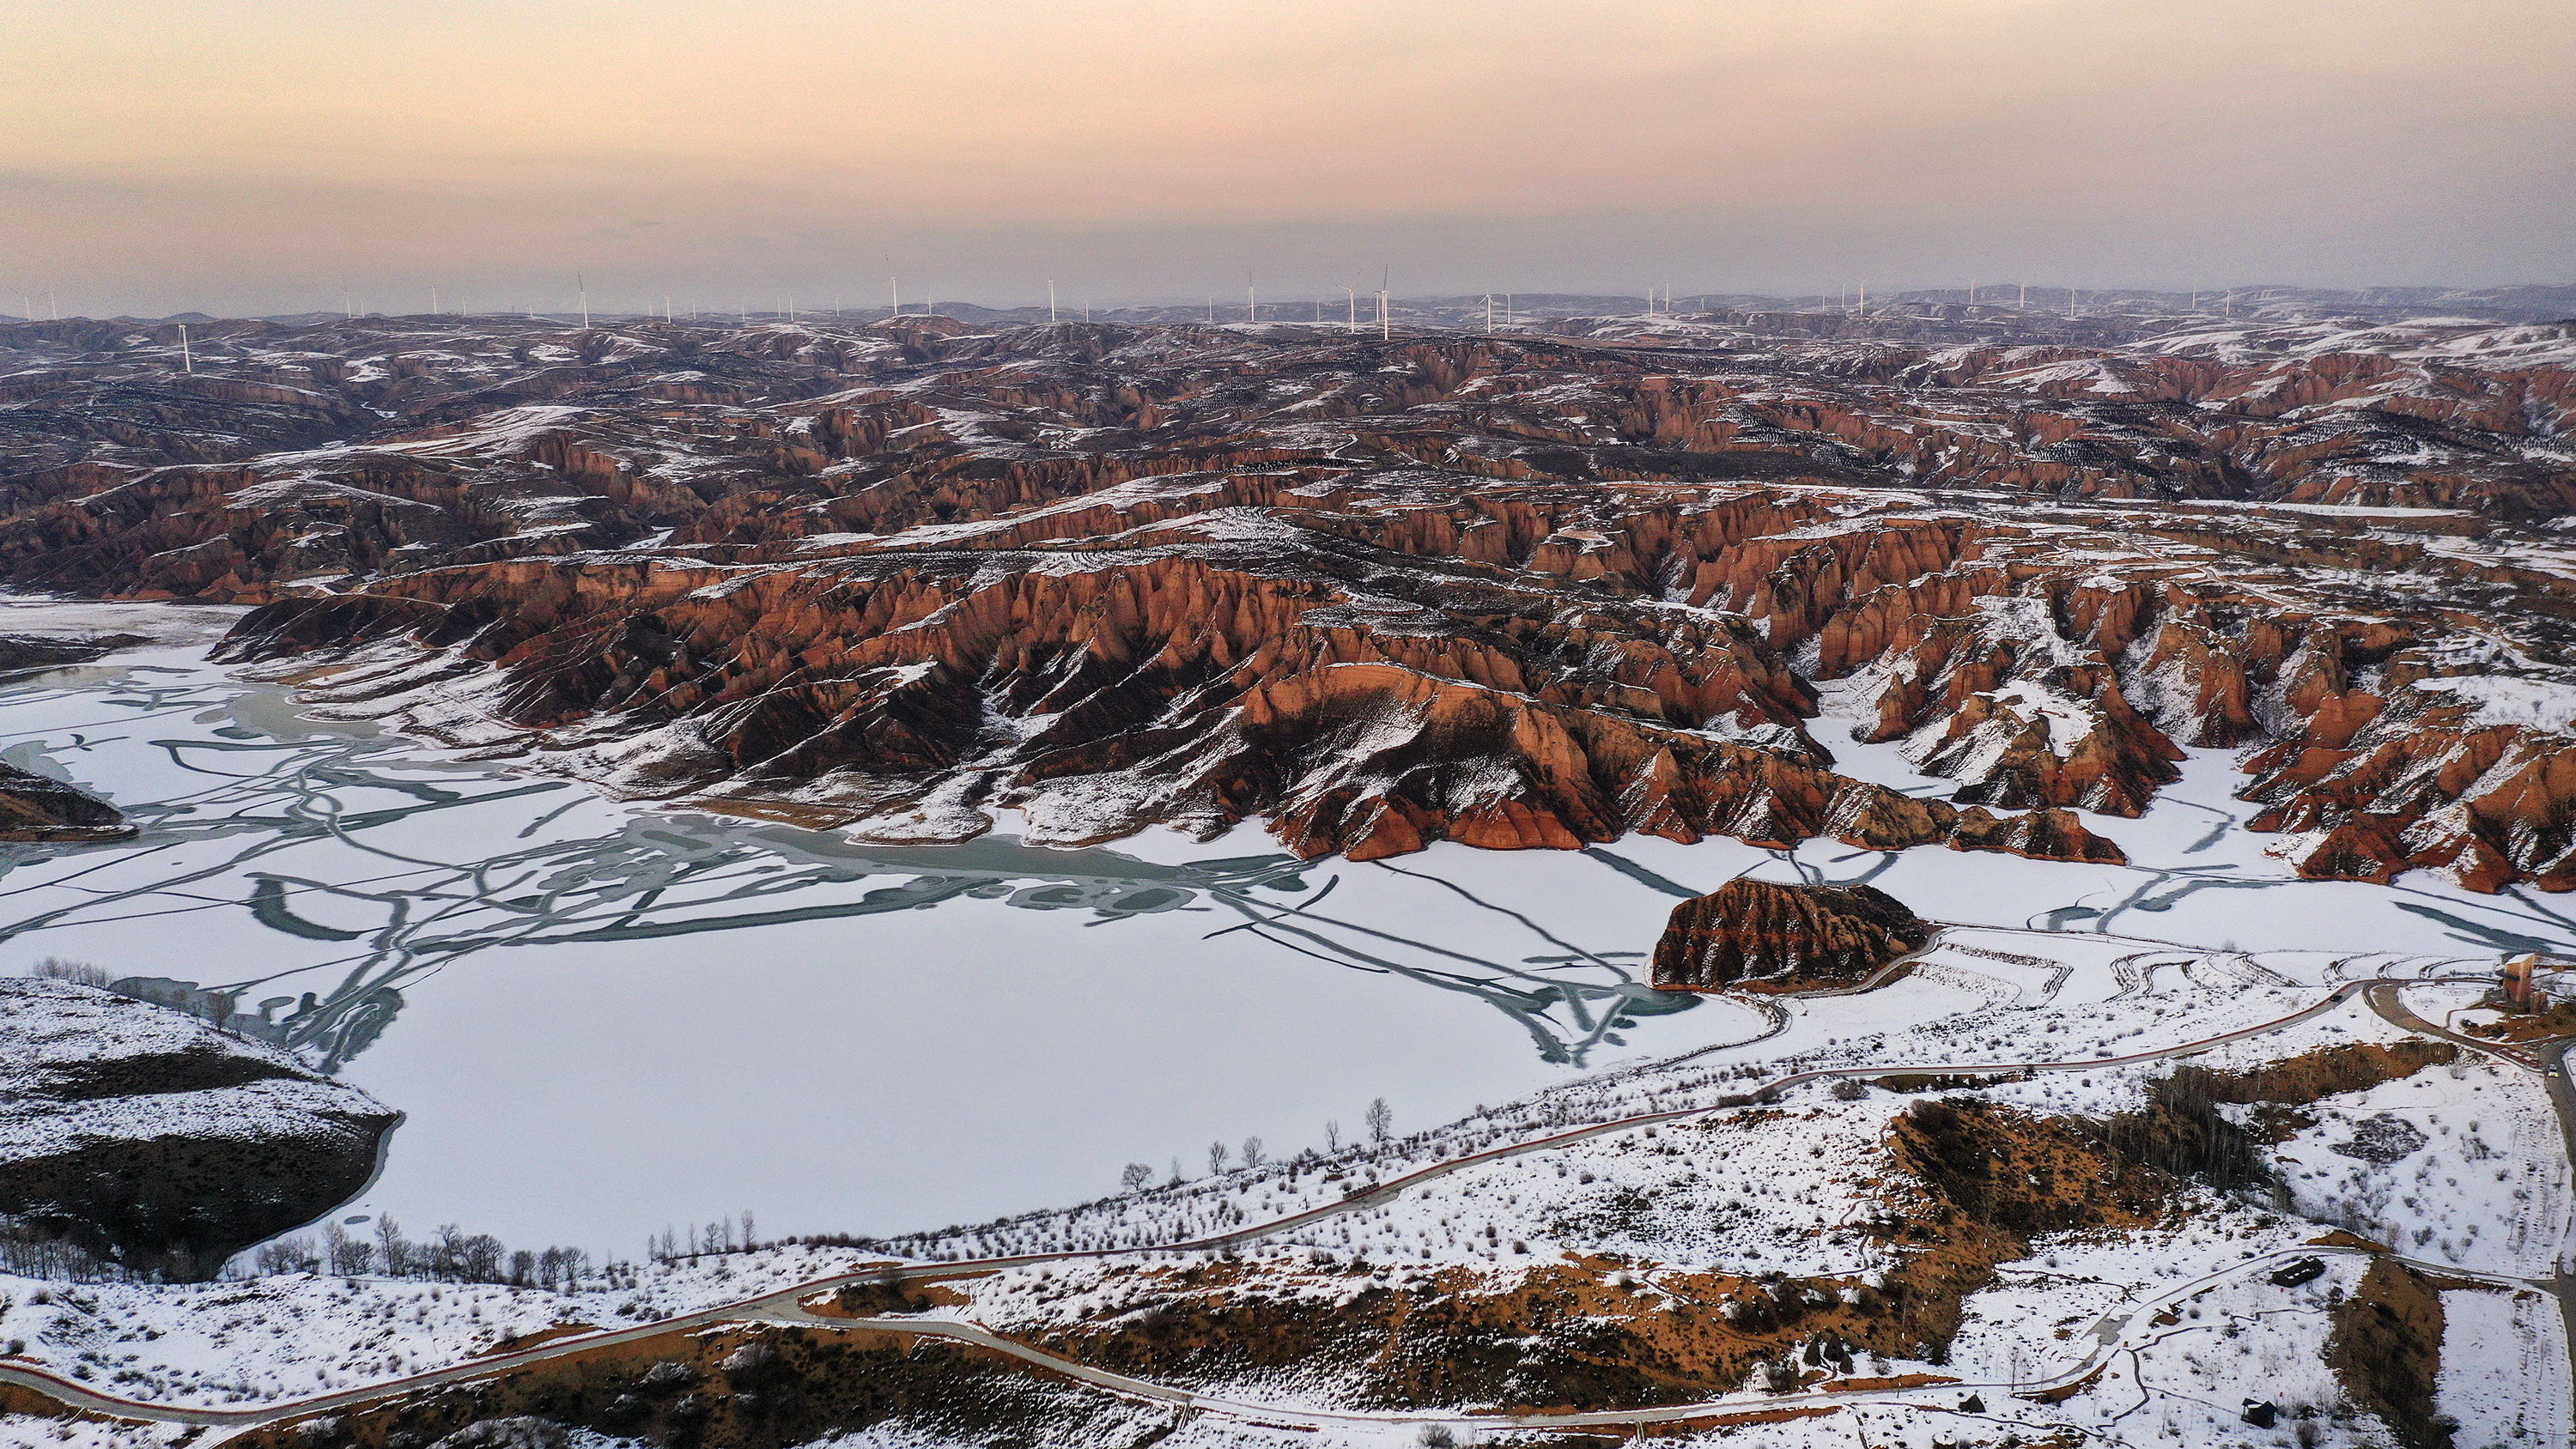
point(961, 880)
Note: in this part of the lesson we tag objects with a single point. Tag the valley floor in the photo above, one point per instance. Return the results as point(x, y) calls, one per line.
point(1670, 1227)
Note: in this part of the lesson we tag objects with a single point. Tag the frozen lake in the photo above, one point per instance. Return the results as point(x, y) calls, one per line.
point(604, 1018)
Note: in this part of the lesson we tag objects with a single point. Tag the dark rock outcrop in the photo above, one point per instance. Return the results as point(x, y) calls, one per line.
point(19, 652)
point(153, 1140)
point(34, 808)
point(1750, 930)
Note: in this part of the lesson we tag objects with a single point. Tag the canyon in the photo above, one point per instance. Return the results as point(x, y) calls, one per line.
point(1589, 578)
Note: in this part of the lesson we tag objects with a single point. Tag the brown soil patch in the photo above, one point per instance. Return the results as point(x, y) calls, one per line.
point(1893, 1381)
point(2063, 1392)
point(2332, 1071)
point(2558, 1021)
point(1566, 1336)
point(878, 1300)
point(516, 1342)
point(747, 1388)
point(1770, 1416)
point(776, 812)
point(2386, 1349)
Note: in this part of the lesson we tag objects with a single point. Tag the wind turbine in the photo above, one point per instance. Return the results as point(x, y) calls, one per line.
point(186, 361)
point(1385, 328)
point(1355, 310)
point(583, 283)
point(896, 293)
point(1251, 300)
point(1050, 302)
point(433, 301)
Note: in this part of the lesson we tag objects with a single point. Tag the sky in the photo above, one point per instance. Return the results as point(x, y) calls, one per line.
point(259, 156)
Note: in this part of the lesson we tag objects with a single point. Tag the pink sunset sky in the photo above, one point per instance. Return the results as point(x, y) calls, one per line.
point(262, 157)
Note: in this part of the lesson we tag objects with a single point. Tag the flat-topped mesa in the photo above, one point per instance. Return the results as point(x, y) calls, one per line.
point(1756, 931)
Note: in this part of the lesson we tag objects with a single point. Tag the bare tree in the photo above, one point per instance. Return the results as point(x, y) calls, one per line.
point(1176, 1172)
point(79, 973)
point(479, 1257)
point(447, 1251)
point(1380, 1120)
point(348, 1253)
point(1332, 1137)
point(286, 1255)
point(1135, 1175)
point(1252, 1152)
point(393, 1247)
point(746, 1230)
point(1216, 1157)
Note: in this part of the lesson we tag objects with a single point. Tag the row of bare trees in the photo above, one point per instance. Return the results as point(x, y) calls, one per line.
point(688, 1242)
point(448, 1255)
point(1379, 1120)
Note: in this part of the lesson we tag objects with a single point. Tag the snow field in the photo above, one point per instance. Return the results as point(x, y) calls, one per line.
point(2504, 1370)
point(2459, 1164)
point(248, 1341)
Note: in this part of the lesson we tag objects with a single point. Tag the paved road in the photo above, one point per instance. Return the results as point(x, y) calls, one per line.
point(784, 1305)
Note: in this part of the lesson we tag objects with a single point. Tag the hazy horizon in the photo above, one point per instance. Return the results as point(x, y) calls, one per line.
point(246, 160)
point(1287, 310)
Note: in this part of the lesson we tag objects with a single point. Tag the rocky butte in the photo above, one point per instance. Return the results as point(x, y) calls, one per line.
point(1756, 931)
point(1592, 576)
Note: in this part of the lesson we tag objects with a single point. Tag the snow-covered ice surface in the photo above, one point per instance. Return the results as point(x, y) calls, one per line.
point(604, 1019)
point(572, 997)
